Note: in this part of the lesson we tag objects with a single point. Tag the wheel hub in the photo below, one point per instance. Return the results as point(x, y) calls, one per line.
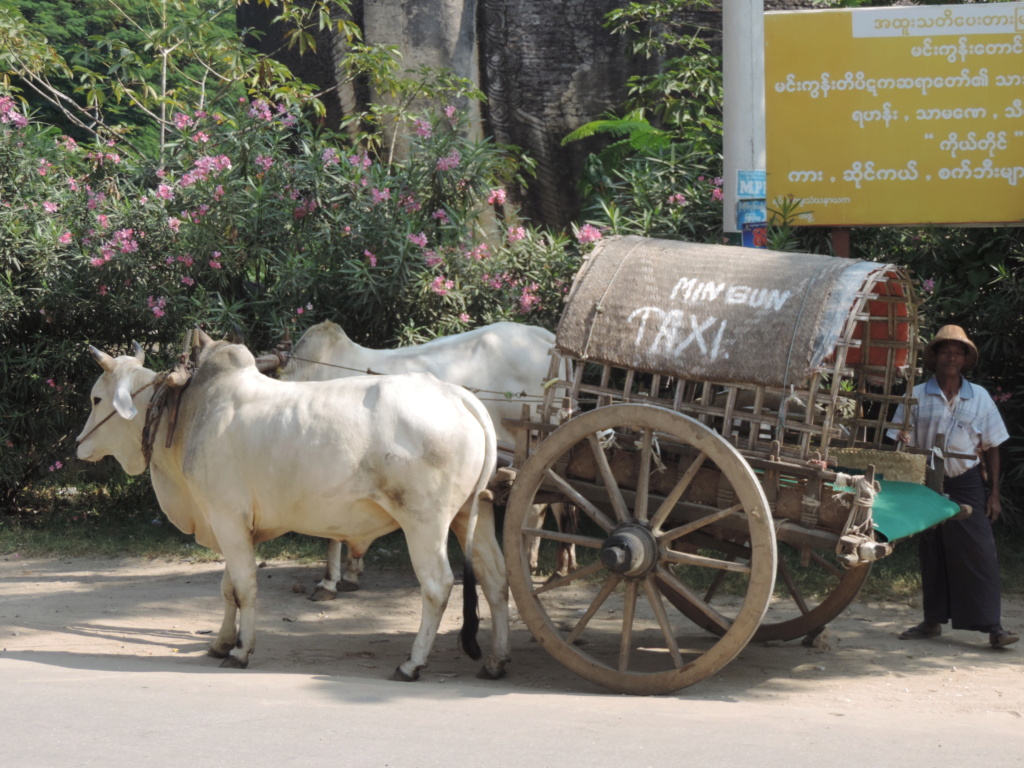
point(631, 550)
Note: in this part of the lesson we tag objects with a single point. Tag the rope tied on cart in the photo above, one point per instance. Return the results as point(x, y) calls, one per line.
point(864, 491)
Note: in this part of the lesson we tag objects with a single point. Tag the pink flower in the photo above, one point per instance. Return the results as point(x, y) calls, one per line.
point(529, 301)
point(65, 238)
point(380, 195)
point(330, 157)
point(214, 263)
point(419, 239)
point(677, 199)
point(441, 285)
point(479, 253)
point(450, 112)
point(497, 197)
point(370, 258)
point(260, 110)
point(50, 207)
point(182, 121)
point(515, 234)
point(299, 311)
point(716, 194)
point(96, 261)
point(450, 161)
point(164, 192)
point(928, 285)
point(103, 290)
point(422, 127)
point(201, 136)
point(264, 161)
point(432, 259)
point(50, 383)
point(173, 224)
point(588, 234)
point(464, 318)
point(440, 215)
point(187, 280)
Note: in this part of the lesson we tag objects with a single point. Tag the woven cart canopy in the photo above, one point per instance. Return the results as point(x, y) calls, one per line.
point(710, 312)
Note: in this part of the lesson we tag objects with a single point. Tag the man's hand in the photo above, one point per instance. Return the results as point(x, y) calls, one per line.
point(994, 507)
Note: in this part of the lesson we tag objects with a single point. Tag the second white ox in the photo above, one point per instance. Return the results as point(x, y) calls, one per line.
point(497, 359)
point(253, 458)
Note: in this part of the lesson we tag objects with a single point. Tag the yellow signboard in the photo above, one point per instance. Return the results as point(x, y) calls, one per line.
point(901, 115)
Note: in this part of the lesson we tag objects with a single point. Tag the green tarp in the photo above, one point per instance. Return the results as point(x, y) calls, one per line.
point(903, 509)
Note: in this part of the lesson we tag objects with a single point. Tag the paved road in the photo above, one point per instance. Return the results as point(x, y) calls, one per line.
point(82, 711)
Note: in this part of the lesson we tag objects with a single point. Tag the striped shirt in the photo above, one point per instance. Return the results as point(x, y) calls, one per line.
point(969, 421)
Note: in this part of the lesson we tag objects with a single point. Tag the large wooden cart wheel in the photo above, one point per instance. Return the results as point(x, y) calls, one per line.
point(608, 621)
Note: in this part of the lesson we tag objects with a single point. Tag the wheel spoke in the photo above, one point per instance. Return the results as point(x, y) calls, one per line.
point(606, 590)
point(717, 582)
point(830, 567)
point(628, 615)
point(794, 591)
point(561, 581)
point(590, 542)
point(677, 493)
point(684, 558)
point(593, 512)
point(668, 580)
point(654, 597)
point(685, 530)
point(644, 479)
point(611, 485)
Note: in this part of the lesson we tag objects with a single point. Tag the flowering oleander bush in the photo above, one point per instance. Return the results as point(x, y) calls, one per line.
point(252, 220)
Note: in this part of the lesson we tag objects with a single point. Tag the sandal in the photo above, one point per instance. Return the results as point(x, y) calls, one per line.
point(1000, 638)
point(922, 631)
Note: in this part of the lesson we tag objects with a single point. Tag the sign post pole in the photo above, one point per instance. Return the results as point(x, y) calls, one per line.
point(743, 132)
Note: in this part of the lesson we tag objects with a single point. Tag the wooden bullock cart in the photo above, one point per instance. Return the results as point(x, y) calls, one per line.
point(723, 438)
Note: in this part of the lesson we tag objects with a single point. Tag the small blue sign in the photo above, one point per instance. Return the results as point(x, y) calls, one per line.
point(751, 185)
point(751, 212)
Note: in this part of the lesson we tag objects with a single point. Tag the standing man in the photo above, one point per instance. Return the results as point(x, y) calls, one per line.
point(959, 570)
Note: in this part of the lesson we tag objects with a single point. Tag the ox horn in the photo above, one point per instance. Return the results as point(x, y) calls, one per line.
point(236, 336)
point(106, 362)
point(140, 355)
point(201, 339)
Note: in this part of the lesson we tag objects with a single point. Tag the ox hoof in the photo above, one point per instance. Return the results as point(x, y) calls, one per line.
point(347, 586)
point(401, 677)
point(219, 653)
point(322, 595)
point(233, 662)
point(486, 673)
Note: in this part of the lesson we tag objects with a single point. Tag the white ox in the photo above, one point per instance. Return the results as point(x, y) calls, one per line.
point(495, 360)
point(350, 460)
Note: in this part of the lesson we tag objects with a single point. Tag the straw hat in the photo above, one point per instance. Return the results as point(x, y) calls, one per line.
point(950, 333)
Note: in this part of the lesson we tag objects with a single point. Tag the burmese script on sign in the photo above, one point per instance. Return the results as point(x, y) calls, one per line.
point(907, 115)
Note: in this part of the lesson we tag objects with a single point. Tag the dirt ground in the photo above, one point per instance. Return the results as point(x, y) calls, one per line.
point(143, 609)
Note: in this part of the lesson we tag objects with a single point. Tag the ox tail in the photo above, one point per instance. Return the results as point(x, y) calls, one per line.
point(470, 604)
point(470, 614)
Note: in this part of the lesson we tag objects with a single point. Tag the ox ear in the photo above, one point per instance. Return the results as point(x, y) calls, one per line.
point(123, 399)
point(106, 362)
point(139, 354)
